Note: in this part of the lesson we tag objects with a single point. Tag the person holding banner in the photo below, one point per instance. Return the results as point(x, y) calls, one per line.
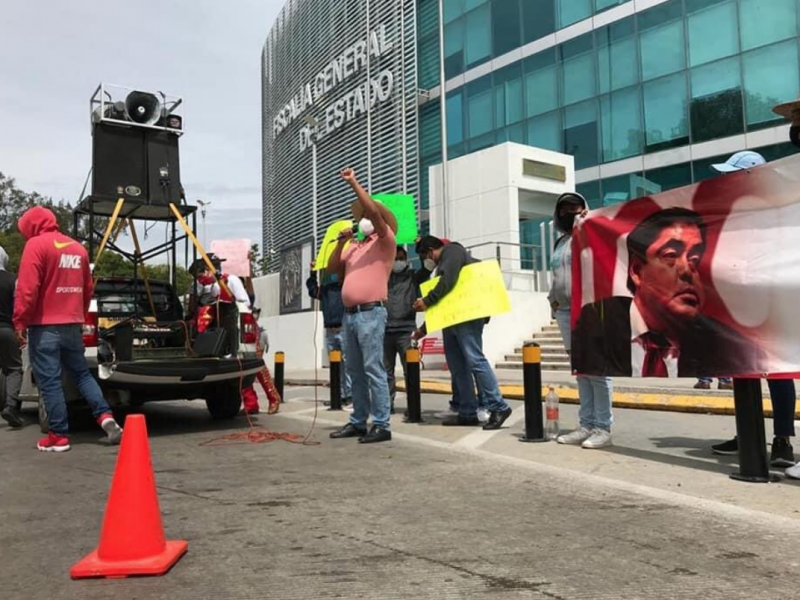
point(365, 267)
point(595, 392)
point(463, 343)
point(329, 295)
point(402, 320)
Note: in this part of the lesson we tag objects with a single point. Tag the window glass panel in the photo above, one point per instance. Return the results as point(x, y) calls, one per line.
point(470, 4)
point(622, 188)
point(430, 137)
point(665, 115)
point(545, 132)
point(428, 70)
point(512, 133)
point(717, 109)
point(579, 73)
point(479, 107)
point(514, 110)
point(479, 143)
point(713, 33)
point(508, 95)
point(591, 191)
point(506, 31)
point(766, 21)
point(572, 11)
point(669, 178)
point(500, 105)
point(454, 48)
point(662, 40)
point(621, 124)
point(601, 5)
point(770, 76)
point(617, 56)
point(541, 86)
point(581, 138)
point(538, 19)
point(701, 169)
point(455, 118)
point(478, 38)
point(453, 9)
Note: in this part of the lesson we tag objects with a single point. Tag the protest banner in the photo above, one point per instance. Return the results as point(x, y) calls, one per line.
point(697, 281)
point(329, 243)
point(479, 292)
point(405, 210)
point(236, 254)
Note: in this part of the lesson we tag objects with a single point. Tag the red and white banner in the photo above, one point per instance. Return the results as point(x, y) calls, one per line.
point(698, 281)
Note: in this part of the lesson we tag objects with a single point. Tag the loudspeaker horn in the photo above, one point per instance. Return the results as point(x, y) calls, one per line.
point(142, 108)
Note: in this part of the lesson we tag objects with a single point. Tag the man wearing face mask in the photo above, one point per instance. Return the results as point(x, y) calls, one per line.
point(365, 267)
point(329, 295)
point(402, 319)
point(463, 343)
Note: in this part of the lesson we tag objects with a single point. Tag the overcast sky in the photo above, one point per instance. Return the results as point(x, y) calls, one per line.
point(53, 55)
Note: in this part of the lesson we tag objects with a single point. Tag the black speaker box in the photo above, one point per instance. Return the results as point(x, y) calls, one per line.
point(210, 343)
point(127, 163)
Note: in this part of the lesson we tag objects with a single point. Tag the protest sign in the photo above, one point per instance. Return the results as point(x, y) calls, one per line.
point(479, 292)
point(329, 243)
point(698, 281)
point(236, 254)
point(404, 209)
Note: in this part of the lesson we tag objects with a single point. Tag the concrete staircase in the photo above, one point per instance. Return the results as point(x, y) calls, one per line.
point(554, 355)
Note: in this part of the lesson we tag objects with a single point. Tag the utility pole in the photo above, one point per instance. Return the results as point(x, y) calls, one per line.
point(443, 113)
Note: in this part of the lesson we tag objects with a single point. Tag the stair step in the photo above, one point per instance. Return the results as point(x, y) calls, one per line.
point(554, 357)
point(546, 348)
point(545, 366)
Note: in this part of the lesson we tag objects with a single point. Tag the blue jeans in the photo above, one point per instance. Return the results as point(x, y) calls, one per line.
point(50, 347)
point(463, 348)
point(335, 341)
point(363, 342)
point(595, 392)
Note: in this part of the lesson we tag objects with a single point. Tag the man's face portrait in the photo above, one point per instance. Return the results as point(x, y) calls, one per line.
point(666, 280)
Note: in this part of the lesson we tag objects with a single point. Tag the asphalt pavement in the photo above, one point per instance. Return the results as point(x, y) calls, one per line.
point(435, 513)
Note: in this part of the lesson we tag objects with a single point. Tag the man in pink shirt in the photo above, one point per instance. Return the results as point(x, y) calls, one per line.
point(365, 267)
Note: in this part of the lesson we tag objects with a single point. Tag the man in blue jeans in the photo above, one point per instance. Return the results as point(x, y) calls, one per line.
point(54, 290)
point(365, 268)
point(463, 343)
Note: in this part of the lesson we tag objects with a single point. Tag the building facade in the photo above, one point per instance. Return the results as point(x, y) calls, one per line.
point(339, 75)
point(645, 94)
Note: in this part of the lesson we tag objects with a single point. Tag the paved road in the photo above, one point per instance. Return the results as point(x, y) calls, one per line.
point(436, 513)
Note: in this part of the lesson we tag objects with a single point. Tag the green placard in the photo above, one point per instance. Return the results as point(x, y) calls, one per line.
point(405, 211)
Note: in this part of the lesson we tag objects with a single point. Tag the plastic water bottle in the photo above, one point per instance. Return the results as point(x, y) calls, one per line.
point(551, 412)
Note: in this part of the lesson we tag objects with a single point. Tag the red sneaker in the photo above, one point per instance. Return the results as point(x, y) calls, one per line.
point(110, 426)
point(53, 443)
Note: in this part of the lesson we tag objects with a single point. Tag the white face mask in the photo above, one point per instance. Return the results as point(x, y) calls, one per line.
point(429, 264)
point(366, 227)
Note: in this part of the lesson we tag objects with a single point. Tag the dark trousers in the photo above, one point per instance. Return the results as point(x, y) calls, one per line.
point(229, 321)
point(784, 398)
point(11, 365)
point(395, 343)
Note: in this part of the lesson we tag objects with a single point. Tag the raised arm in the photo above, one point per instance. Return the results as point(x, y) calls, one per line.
point(370, 206)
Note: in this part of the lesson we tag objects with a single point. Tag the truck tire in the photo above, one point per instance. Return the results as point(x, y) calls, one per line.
point(225, 403)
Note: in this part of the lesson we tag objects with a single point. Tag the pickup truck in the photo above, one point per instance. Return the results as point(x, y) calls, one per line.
point(139, 358)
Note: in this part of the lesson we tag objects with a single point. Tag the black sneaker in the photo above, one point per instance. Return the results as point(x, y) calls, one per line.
point(496, 419)
point(347, 401)
point(459, 421)
point(13, 416)
point(348, 431)
point(375, 435)
point(782, 453)
point(729, 448)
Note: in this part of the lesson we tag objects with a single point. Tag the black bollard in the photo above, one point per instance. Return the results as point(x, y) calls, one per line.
point(335, 358)
point(753, 460)
point(413, 394)
point(532, 381)
point(280, 359)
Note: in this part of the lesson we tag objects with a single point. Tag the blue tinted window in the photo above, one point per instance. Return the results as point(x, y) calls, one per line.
point(581, 137)
point(578, 69)
point(713, 33)
point(572, 11)
point(601, 5)
point(621, 119)
point(508, 95)
point(662, 40)
point(717, 109)
point(453, 9)
point(617, 56)
point(454, 48)
point(506, 29)
point(479, 107)
point(622, 188)
point(668, 178)
point(538, 19)
point(665, 118)
point(591, 191)
point(455, 118)
point(541, 83)
point(770, 77)
point(545, 132)
point(478, 36)
point(470, 4)
point(766, 21)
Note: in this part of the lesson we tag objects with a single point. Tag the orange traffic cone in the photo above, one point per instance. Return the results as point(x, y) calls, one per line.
point(132, 539)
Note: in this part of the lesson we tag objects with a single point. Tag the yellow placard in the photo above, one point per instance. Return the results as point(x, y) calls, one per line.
point(479, 292)
point(329, 243)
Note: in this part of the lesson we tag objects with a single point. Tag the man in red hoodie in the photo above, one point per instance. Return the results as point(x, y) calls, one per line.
point(54, 289)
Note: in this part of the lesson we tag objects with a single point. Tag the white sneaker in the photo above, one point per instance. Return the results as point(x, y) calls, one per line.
point(600, 438)
point(483, 415)
point(793, 472)
point(575, 438)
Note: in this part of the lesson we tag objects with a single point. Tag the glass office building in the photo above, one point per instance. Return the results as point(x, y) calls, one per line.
point(645, 94)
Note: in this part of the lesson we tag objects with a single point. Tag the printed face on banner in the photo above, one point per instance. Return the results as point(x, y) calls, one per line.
point(699, 281)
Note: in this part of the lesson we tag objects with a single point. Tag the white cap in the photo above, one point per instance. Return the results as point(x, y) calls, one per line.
point(740, 162)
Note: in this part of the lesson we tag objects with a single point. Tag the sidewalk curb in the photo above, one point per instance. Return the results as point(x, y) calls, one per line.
point(683, 403)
